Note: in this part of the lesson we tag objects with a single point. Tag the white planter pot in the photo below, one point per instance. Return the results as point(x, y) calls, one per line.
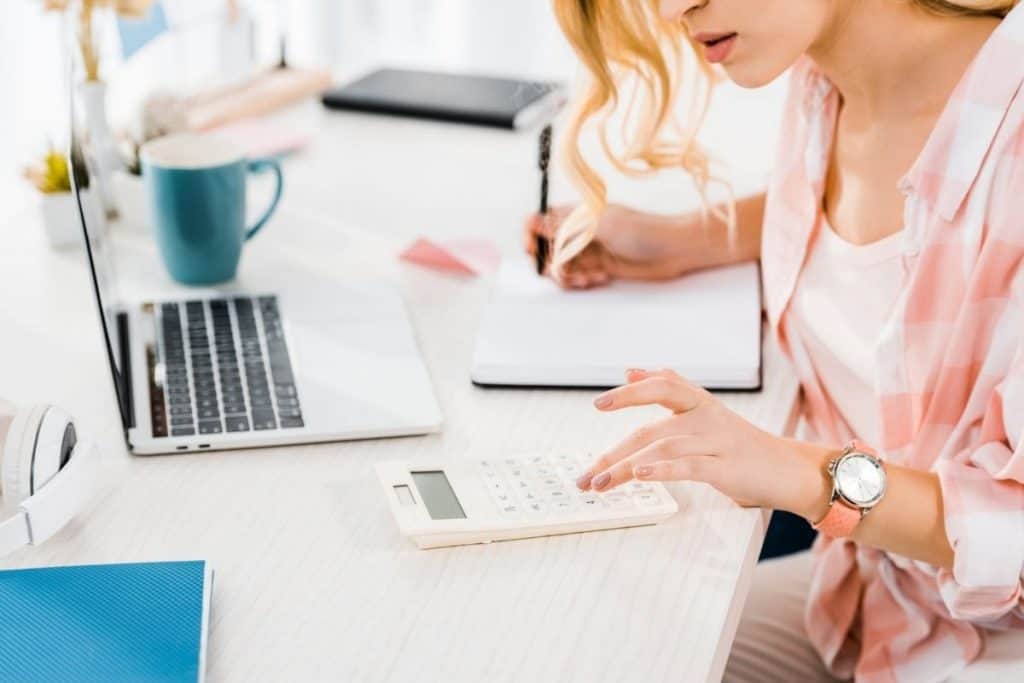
point(133, 207)
point(62, 223)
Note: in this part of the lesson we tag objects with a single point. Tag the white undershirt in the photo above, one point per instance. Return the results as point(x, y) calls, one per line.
point(843, 296)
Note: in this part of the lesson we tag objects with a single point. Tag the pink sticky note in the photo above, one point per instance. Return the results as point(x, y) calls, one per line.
point(426, 253)
point(480, 255)
point(462, 256)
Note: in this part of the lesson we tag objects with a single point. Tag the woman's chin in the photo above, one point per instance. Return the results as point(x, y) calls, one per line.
point(748, 75)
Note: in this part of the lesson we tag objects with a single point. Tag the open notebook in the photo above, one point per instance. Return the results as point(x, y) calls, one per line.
point(705, 325)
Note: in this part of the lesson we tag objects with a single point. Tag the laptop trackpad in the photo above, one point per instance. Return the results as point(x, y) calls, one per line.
point(360, 371)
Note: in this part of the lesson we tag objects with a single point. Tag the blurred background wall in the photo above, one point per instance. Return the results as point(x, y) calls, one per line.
point(503, 37)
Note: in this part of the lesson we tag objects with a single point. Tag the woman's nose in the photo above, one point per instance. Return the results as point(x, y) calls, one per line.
point(673, 10)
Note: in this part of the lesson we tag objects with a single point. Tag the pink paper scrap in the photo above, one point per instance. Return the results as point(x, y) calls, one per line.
point(466, 256)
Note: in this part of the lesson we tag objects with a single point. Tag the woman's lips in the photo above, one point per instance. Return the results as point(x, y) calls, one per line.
point(717, 46)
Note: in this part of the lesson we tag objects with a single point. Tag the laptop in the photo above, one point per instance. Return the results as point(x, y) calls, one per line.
point(253, 369)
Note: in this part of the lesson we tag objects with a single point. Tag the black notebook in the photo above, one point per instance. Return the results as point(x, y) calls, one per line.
point(480, 100)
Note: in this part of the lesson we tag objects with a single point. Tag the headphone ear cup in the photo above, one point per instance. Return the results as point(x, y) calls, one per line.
point(19, 447)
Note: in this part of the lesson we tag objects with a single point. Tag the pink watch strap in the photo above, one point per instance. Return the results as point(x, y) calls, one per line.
point(861, 447)
point(841, 519)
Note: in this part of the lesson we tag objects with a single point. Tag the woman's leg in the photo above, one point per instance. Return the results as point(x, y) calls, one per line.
point(771, 644)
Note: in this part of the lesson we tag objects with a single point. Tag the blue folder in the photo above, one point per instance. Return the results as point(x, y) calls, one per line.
point(112, 622)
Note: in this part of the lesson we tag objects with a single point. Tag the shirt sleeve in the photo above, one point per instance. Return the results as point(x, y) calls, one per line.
point(983, 499)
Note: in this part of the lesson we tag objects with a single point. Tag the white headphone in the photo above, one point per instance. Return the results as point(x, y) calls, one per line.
point(46, 472)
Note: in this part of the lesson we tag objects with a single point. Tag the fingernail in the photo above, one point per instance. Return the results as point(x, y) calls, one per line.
point(603, 401)
point(633, 371)
point(601, 481)
point(583, 483)
point(643, 471)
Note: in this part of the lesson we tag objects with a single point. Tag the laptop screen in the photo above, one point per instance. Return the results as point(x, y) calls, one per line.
point(93, 219)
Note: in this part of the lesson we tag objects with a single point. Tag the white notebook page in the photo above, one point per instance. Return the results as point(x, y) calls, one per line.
point(705, 325)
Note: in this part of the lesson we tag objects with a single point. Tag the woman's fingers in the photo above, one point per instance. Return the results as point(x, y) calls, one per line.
point(586, 279)
point(636, 374)
point(537, 226)
point(698, 448)
point(671, 392)
point(638, 440)
point(586, 270)
point(543, 225)
point(642, 437)
point(695, 468)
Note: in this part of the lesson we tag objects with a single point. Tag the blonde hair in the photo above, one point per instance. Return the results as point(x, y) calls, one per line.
point(626, 46)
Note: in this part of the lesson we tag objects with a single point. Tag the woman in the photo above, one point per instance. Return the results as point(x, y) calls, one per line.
point(891, 241)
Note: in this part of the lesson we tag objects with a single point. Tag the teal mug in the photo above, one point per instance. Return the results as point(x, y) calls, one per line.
point(197, 194)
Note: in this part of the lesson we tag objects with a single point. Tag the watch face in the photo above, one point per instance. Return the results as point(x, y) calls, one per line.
point(860, 479)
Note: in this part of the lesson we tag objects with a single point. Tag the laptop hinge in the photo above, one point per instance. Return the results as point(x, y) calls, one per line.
point(125, 376)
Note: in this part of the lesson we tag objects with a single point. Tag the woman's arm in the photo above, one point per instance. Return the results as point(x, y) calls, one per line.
point(636, 245)
point(749, 219)
point(908, 521)
point(716, 249)
point(702, 440)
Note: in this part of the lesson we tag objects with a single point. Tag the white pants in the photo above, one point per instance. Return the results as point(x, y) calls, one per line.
point(771, 644)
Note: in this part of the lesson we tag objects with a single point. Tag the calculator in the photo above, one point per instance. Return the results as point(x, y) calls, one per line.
point(479, 501)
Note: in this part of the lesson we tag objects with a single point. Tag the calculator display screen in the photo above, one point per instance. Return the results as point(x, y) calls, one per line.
point(438, 496)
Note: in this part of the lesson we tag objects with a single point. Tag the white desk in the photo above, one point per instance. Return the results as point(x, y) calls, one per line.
point(313, 580)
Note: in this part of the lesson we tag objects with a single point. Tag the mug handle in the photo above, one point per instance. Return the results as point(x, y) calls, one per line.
point(260, 166)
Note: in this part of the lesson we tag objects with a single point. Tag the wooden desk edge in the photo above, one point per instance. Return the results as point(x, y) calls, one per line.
point(739, 597)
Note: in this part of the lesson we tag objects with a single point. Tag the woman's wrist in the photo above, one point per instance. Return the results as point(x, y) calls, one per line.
point(718, 246)
point(704, 243)
point(809, 490)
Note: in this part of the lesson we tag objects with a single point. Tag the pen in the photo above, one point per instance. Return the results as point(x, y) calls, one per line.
point(543, 247)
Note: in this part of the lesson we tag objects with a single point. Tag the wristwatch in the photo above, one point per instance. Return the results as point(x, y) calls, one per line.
point(858, 483)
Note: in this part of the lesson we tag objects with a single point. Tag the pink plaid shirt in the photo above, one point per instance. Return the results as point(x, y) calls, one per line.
point(949, 386)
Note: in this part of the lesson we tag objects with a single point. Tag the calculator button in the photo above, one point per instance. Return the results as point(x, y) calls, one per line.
point(495, 486)
point(648, 499)
point(519, 485)
point(639, 487)
point(591, 502)
point(511, 510)
point(534, 507)
point(561, 506)
point(486, 465)
point(570, 471)
point(618, 501)
point(537, 461)
point(556, 495)
point(544, 471)
point(528, 496)
point(511, 462)
point(518, 473)
point(503, 499)
point(551, 482)
point(564, 459)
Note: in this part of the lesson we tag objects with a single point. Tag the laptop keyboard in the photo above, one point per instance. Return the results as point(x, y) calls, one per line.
point(226, 369)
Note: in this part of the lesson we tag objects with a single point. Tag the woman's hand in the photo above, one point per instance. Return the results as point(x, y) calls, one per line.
point(627, 244)
point(702, 440)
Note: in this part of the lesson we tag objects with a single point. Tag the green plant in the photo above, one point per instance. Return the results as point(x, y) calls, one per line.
point(51, 175)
